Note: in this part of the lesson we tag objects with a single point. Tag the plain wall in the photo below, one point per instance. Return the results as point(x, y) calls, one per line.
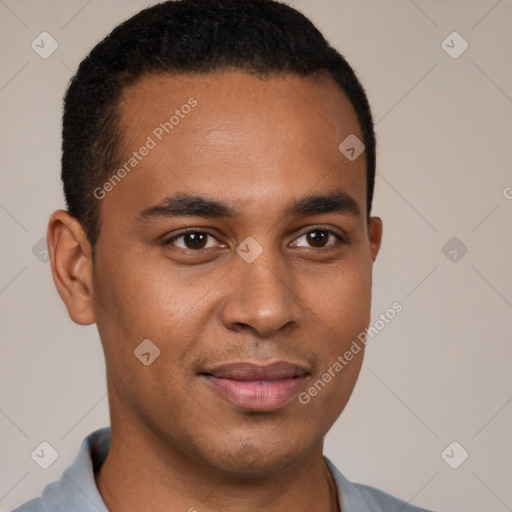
point(438, 372)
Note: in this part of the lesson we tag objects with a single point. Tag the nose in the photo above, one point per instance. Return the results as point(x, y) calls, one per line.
point(262, 297)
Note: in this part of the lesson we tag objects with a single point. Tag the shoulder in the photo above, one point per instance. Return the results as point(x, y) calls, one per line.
point(35, 505)
point(76, 488)
point(355, 497)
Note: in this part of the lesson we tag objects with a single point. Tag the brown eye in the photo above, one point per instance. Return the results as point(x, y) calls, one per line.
point(195, 240)
point(191, 240)
point(318, 238)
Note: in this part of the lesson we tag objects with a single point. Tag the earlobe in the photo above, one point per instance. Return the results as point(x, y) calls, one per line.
point(71, 264)
point(375, 228)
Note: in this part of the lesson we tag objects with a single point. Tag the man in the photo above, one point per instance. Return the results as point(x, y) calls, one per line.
point(218, 165)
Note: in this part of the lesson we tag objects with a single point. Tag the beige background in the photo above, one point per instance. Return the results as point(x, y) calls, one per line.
point(439, 372)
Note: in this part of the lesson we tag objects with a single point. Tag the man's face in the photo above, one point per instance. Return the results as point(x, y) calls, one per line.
point(257, 146)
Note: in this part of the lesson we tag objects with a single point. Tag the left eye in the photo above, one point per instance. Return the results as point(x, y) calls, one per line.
point(317, 238)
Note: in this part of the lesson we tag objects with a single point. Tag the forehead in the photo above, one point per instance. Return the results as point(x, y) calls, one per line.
point(275, 99)
point(234, 135)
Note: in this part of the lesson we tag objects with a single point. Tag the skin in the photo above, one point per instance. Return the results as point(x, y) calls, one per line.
point(258, 144)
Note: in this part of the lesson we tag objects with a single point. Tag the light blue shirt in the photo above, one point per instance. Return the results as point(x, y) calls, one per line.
point(76, 490)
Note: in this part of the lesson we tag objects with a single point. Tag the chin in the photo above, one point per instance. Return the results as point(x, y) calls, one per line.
point(256, 457)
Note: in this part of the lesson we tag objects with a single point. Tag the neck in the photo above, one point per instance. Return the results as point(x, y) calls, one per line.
point(140, 474)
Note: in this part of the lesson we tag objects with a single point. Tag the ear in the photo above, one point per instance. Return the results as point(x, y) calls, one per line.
point(71, 263)
point(375, 236)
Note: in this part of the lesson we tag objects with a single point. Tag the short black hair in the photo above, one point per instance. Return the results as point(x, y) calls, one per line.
point(261, 37)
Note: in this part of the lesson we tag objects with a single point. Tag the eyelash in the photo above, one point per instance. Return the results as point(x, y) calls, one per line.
point(340, 238)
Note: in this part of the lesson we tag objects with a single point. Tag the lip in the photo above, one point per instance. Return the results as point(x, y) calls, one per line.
point(255, 387)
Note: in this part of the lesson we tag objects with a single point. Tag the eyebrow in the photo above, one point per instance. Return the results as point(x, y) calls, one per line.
point(184, 204)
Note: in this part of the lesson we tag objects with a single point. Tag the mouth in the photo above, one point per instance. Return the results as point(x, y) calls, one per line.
point(255, 387)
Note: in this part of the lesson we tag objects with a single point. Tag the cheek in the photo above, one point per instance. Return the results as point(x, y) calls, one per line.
point(147, 300)
point(341, 302)
point(143, 298)
point(340, 297)
point(327, 394)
